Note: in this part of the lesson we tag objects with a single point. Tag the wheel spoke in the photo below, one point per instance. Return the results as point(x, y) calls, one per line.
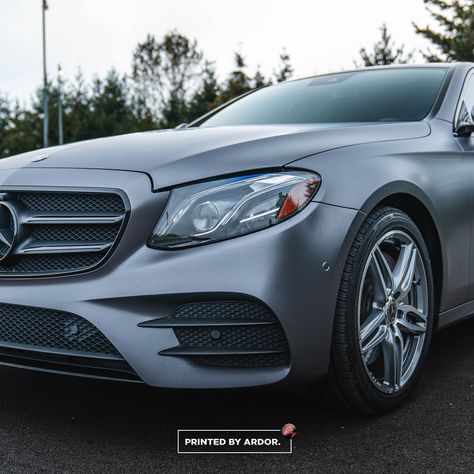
point(392, 348)
point(374, 341)
point(383, 270)
point(404, 271)
point(409, 309)
point(375, 319)
point(410, 328)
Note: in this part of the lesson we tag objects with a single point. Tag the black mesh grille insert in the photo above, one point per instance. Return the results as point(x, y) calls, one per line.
point(69, 202)
point(3, 249)
point(44, 264)
point(81, 228)
point(227, 310)
point(232, 334)
point(71, 233)
point(51, 329)
point(269, 337)
point(254, 360)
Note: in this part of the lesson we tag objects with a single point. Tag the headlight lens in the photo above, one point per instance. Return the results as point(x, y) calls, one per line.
point(218, 210)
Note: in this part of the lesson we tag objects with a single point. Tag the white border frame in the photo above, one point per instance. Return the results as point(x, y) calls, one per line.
point(231, 452)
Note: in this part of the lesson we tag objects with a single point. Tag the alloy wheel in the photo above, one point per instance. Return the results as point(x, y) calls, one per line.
point(392, 311)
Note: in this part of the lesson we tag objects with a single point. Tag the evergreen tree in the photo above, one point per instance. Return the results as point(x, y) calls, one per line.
point(207, 96)
point(384, 52)
point(77, 110)
point(454, 38)
point(4, 123)
point(259, 80)
point(111, 112)
point(174, 112)
point(24, 131)
point(285, 70)
point(238, 82)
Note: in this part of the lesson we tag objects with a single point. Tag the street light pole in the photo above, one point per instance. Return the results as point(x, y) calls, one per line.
point(60, 105)
point(45, 80)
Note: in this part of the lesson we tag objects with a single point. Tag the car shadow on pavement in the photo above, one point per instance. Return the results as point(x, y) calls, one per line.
point(67, 424)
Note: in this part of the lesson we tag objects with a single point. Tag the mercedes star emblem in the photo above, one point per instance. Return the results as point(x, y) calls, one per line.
point(8, 229)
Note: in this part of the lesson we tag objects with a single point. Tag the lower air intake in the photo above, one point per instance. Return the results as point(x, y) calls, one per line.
point(51, 329)
point(57, 341)
point(233, 334)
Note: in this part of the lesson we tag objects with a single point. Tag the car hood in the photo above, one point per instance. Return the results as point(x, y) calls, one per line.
point(172, 157)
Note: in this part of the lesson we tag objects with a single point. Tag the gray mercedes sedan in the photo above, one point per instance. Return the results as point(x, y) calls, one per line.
point(313, 233)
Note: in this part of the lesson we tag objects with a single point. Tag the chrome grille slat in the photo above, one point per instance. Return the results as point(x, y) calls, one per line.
point(68, 219)
point(63, 231)
point(50, 249)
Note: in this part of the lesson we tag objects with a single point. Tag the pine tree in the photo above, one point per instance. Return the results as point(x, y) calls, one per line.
point(24, 131)
point(111, 112)
point(77, 110)
point(286, 69)
point(259, 80)
point(238, 82)
point(454, 38)
point(207, 96)
point(384, 52)
point(4, 123)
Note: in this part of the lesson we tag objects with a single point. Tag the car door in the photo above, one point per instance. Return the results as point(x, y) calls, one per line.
point(465, 114)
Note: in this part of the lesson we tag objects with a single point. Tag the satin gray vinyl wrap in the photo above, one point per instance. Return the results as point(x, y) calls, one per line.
point(282, 266)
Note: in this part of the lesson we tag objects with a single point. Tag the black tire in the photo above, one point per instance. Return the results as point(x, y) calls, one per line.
point(347, 385)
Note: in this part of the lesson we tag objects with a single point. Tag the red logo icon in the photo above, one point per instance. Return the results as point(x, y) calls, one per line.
point(289, 430)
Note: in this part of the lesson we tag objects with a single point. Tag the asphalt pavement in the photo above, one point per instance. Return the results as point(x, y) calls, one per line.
point(59, 424)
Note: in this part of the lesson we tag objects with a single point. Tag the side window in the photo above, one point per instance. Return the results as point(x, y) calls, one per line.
point(466, 109)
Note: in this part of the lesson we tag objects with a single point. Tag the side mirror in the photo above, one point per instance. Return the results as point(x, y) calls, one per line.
point(465, 123)
point(464, 129)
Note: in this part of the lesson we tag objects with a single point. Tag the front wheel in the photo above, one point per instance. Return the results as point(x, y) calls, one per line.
point(384, 317)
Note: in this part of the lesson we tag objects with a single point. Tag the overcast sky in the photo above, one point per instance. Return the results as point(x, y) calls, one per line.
point(95, 35)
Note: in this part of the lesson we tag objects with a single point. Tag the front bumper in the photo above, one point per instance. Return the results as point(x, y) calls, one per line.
point(281, 267)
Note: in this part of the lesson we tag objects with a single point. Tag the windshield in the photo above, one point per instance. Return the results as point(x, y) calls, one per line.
point(380, 95)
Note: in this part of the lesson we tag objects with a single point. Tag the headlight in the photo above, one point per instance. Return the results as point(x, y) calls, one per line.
point(218, 210)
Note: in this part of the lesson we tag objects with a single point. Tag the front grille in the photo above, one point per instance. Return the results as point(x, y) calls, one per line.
point(57, 341)
point(61, 232)
point(232, 334)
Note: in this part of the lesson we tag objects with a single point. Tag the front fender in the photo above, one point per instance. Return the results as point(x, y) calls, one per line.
point(431, 169)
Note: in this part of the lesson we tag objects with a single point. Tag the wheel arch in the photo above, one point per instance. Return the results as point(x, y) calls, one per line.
point(418, 211)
